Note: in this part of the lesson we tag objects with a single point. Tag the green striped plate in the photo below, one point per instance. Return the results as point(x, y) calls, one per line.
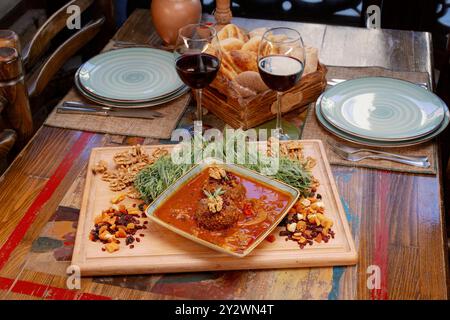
point(374, 143)
point(130, 75)
point(383, 109)
point(131, 105)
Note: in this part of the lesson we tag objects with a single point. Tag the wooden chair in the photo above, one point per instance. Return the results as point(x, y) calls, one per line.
point(23, 77)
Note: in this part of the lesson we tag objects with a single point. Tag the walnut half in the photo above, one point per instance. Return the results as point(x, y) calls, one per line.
point(217, 173)
point(100, 167)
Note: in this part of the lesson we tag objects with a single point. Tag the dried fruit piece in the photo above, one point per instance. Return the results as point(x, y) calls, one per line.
point(134, 211)
point(292, 227)
point(311, 224)
point(120, 234)
point(112, 247)
point(106, 236)
point(118, 198)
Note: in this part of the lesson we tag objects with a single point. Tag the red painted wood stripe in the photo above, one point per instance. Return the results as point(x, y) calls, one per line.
point(382, 236)
point(24, 224)
point(27, 287)
point(46, 292)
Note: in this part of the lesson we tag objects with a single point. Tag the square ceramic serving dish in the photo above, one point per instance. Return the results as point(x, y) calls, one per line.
point(242, 171)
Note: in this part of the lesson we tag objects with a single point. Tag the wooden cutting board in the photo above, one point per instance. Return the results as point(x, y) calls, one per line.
point(162, 251)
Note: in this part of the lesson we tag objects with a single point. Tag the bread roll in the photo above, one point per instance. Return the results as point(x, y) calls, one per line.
point(312, 60)
point(231, 44)
point(251, 80)
point(231, 31)
point(244, 92)
point(243, 60)
point(227, 69)
point(252, 44)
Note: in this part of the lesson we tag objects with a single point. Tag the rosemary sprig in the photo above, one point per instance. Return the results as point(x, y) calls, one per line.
point(218, 192)
point(155, 178)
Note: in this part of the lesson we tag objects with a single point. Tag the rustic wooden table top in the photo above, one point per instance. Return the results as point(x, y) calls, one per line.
point(396, 219)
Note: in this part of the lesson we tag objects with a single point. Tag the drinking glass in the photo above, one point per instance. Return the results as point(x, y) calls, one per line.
point(281, 61)
point(197, 58)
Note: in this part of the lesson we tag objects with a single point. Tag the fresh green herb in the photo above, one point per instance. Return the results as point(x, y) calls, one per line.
point(155, 178)
point(218, 192)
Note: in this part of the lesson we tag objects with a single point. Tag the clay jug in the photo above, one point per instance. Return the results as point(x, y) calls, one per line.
point(170, 15)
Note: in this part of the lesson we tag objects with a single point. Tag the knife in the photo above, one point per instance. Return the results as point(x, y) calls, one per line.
point(76, 107)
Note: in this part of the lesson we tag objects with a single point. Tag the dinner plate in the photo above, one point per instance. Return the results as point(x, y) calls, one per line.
point(374, 143)
point(130, 75)
point(152, 103)
point(382, 109)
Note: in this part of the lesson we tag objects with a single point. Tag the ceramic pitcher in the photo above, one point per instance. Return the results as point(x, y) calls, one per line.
point(170, 15)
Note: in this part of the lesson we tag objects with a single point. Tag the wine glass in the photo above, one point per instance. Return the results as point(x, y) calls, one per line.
point(281, 61)
point(197, 58)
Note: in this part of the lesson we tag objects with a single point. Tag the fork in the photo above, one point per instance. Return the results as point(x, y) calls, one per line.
point(333, 82)
point(351, 150)
point(354, 158)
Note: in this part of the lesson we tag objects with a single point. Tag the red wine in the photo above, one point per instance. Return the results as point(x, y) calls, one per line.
point(280, 73)
point(197, 70)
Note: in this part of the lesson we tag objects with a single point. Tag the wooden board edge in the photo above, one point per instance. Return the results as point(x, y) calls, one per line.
point(91, 268)
point(346, 225)
point(78, 256)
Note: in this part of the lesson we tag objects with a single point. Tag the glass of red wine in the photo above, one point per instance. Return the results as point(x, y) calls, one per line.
point(197, 58)
point(281, 60)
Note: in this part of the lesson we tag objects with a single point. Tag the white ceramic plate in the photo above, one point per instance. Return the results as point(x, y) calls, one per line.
point(374, 143)
point(130, 105)
point(382, 109)
point(130, 75)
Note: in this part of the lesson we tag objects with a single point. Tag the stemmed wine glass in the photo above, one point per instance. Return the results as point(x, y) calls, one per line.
point(281, 61)
point(197, 58)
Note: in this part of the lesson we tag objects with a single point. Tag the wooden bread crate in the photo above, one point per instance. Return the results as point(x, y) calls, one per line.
point(239, 113)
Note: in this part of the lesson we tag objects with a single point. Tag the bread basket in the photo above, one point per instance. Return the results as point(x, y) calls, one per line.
point(242, 106)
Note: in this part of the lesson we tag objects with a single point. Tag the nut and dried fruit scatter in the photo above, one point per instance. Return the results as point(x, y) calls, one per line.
point(307, 223)
point(128, 164)
point(118, 225)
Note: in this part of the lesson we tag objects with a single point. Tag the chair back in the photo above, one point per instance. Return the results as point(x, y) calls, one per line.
point(21, 78)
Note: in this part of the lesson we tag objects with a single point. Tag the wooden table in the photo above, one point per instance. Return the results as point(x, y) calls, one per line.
point(396, 219)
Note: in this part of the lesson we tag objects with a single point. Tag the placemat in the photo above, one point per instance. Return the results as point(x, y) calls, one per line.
point(159, 128)
point(312, 129)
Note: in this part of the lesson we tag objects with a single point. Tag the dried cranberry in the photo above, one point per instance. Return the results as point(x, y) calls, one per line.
point(129, 240)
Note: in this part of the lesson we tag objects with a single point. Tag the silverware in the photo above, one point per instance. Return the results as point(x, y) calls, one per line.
point(354, 158)
point(126, 44)
point(106, 108)
point(352, 150)
point(333, 82)
point(77, 107)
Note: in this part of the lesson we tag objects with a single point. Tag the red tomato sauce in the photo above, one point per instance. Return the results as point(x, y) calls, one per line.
point(250, 208)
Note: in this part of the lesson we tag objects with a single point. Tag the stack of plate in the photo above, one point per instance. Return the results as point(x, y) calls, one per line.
point(130, 78)
point(382, 112)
